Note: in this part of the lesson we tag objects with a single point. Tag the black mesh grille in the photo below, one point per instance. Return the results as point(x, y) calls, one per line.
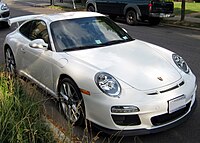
point(169, 89)
point(5, 14)
point(165, 118)
point(126, 120)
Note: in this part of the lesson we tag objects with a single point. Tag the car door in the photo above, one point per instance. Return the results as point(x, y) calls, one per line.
point(36, 62)
point(111, 7)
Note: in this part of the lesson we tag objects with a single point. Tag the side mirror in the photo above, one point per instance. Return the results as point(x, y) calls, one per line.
point(38, 43)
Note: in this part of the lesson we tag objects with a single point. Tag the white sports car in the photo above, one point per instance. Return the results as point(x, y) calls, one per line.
point(99, 73)
point(4, 12)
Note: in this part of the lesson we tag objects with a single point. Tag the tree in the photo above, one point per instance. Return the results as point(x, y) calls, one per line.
point(183, 10)
point(51, 2)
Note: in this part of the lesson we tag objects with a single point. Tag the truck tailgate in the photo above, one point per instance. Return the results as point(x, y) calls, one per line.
point(162, 7)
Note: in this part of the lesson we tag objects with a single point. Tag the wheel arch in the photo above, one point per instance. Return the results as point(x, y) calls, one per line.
point(6, 46)
point(12, 69)
point(91, 3)
point(61, 77)
point(135, 8)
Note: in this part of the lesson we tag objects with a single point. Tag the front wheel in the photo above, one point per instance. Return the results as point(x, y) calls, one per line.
point(91, 8)
point(131, 17)
point(4, 24)
point(71, 101)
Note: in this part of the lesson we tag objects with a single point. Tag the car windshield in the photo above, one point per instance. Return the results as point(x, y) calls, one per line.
point(85, 33)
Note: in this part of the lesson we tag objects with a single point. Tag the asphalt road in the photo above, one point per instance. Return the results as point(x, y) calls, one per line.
point(185, 42)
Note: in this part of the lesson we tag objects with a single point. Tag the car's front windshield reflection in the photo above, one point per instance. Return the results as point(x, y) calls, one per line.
point(76, 34)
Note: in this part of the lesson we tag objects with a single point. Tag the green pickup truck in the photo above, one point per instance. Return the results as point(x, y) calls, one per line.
point(133, 10)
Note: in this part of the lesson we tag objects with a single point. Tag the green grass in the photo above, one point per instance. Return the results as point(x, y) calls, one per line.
point(21, 118)
point(67, 9)
point(22, 121)
point(22, 115)
point(190, 8)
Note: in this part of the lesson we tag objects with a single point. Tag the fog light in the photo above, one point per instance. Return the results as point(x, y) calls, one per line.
point(124, 109)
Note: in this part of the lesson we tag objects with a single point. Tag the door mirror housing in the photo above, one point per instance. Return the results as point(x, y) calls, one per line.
point(38, 43)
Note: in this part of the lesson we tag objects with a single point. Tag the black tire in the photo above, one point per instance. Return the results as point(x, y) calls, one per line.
point(10, 63)
point(154, 21)
point(71, 102)
point(4, 24)
point(131, 17)
point(91, 8)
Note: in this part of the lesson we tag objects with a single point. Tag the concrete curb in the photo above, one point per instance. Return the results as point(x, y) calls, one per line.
point(180, 26)
point(40, 5)
point(58, 132)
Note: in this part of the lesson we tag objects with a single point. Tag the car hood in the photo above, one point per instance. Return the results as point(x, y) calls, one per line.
point(135, 63)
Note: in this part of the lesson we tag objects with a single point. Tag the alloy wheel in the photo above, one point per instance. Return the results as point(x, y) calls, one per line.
point(131, 17)
point(70, 102)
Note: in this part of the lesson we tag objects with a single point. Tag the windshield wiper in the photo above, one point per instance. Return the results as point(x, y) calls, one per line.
point(82, 47)
point(113, 42)
point(96, 45)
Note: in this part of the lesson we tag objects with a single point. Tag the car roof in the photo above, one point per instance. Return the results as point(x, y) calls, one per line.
point(70, 15)
point(54, 17)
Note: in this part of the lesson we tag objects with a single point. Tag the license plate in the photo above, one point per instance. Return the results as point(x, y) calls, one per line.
point(167, 15)
point(176, 103)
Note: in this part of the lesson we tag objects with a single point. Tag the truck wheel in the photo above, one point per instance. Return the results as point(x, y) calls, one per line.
point(154, 21)
point(91, 8)
point(131, 17)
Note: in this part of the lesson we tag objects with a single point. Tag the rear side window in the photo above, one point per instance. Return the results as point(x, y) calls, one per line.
point(39, 31)
point(25, 29)
point(35, 29)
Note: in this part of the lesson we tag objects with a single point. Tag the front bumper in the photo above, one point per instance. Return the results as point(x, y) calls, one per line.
point(156, 113)
point(147, 131)
point(161, 15)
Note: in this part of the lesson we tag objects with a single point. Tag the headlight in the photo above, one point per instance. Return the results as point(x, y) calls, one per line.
point(179, 61)
point(108, 84)
point(4, 7)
